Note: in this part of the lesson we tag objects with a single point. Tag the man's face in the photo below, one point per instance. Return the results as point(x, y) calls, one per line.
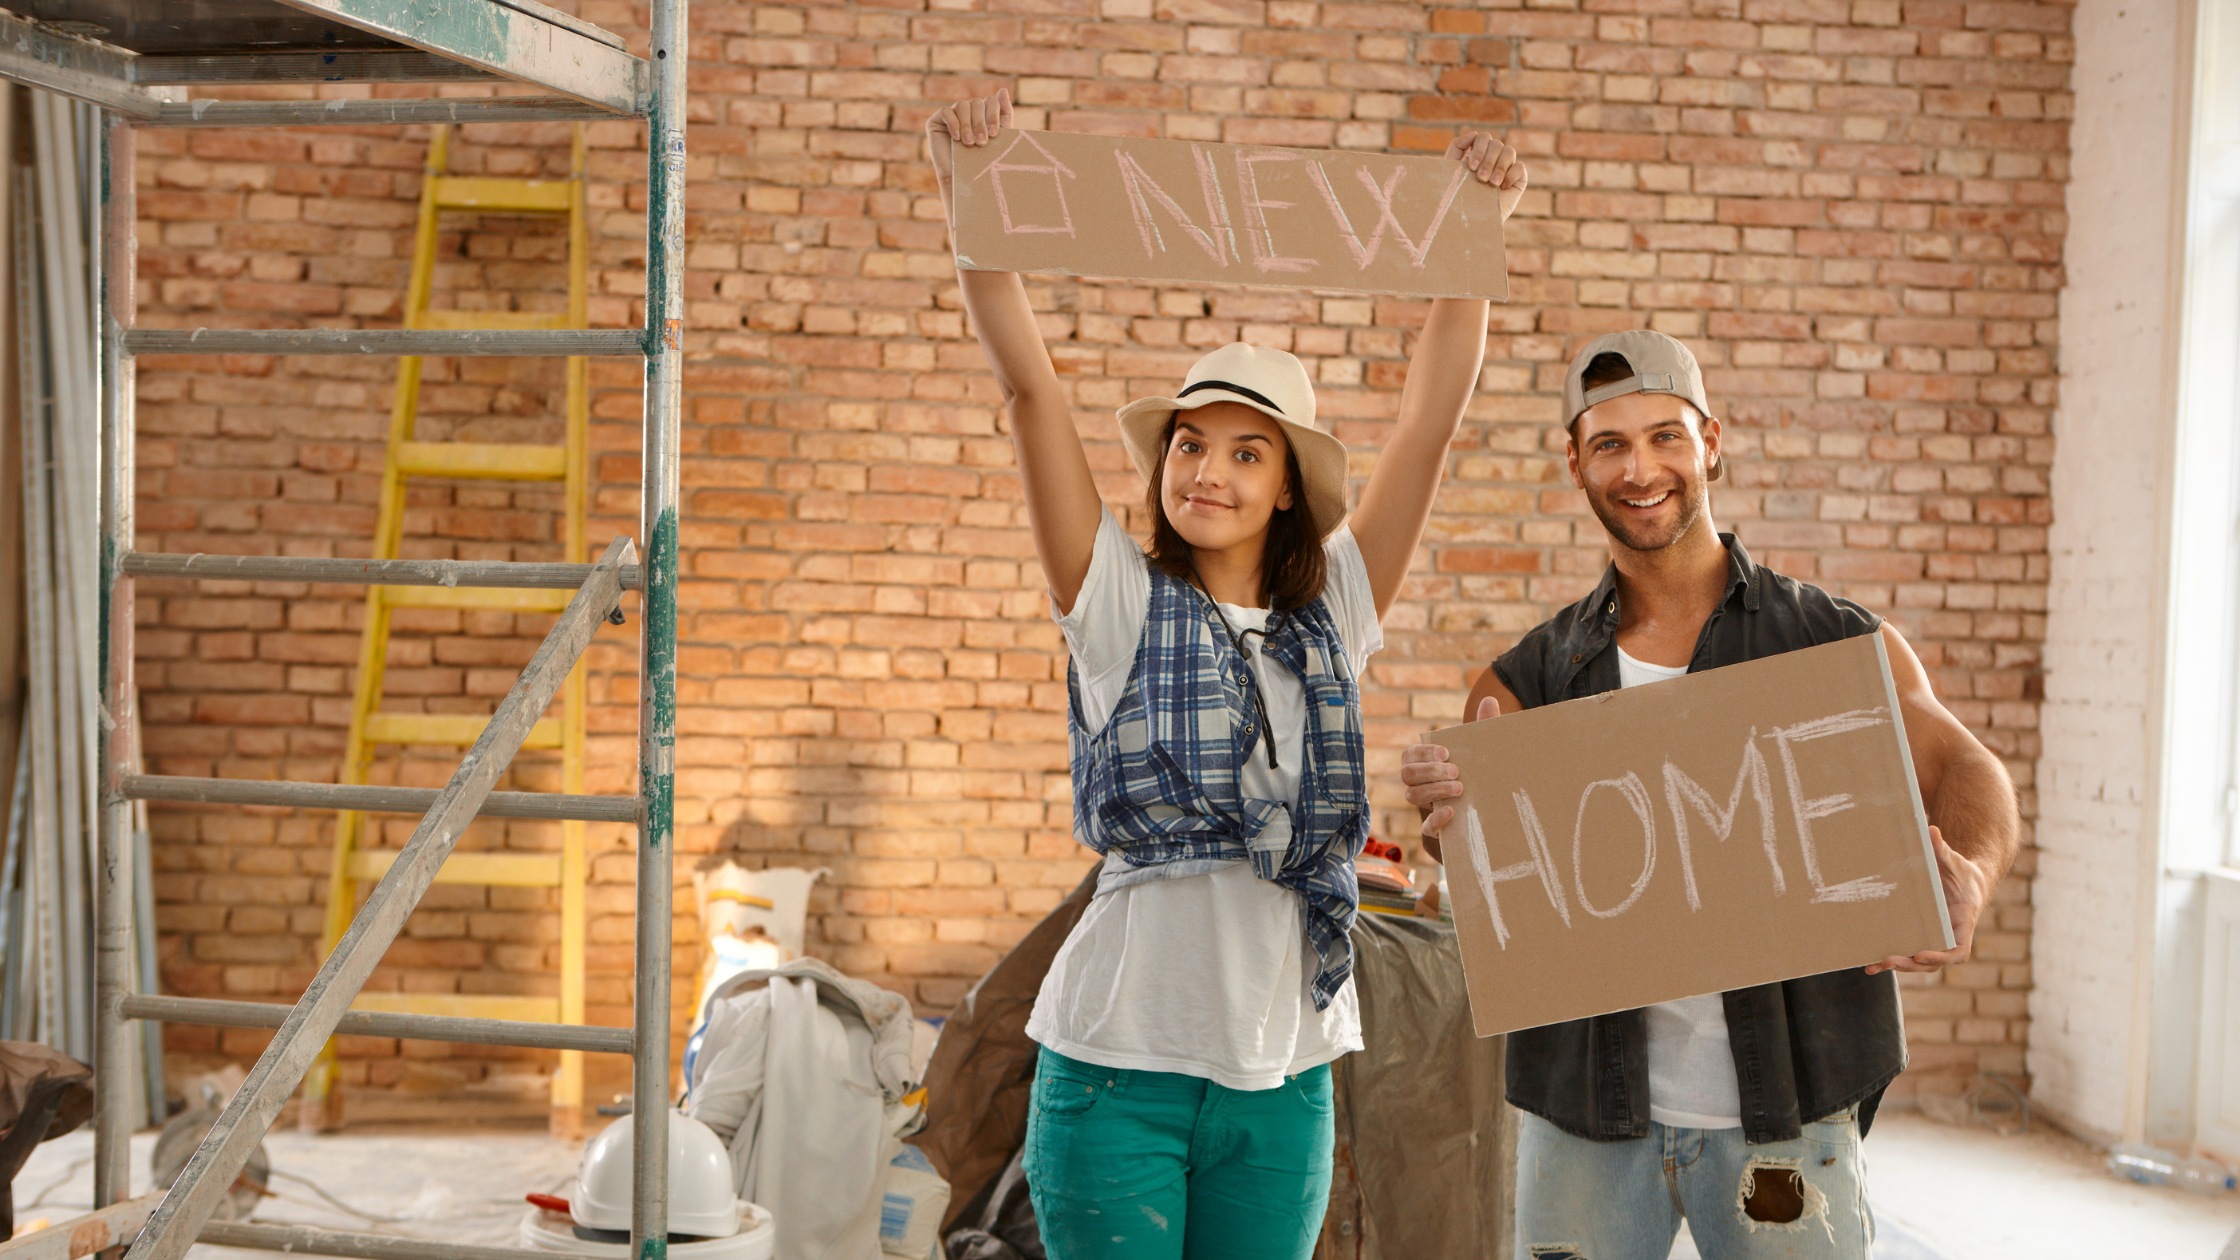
point(1643, 460)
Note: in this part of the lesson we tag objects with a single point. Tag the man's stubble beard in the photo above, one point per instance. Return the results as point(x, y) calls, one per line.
point(1695, 497)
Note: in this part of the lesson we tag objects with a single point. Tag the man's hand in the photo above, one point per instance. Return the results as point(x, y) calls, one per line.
point(1967, 886)
point(969, 123)
point(1496, 165)
point(1431, 778)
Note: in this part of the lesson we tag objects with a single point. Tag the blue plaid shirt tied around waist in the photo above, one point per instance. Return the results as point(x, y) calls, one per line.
point(1159, 785)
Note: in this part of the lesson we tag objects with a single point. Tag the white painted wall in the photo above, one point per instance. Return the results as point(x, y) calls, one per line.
point(2096, 892)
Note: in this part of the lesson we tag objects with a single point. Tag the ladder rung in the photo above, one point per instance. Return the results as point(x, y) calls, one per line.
point(497, 461)
point(455, 729)
point(456, 320)
point(513, 196)
point(528, 1010)
point(370, 798)
point(621, 343)
point(493, 574)
point(510, 870)
point(543, 1034)
point(468, 597)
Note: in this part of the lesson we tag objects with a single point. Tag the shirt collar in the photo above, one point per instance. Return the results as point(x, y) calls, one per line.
point(1742, 575)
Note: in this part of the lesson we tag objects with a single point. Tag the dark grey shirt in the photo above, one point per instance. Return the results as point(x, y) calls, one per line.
point(1803, 1049)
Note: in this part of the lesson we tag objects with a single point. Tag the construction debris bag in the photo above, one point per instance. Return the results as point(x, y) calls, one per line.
point(23, 1064)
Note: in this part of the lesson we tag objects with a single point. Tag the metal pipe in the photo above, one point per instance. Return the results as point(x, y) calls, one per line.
point(509, 342)
point(211, 1170)
point(372, 800)
point(657, 633)
point(311, 1240)
point(481, 1032)
point(485, 573)
point(341, 113)
point(116, 1075)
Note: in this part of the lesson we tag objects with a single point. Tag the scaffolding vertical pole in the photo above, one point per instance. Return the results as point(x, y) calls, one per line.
point(657, 695)
point(116, 1074)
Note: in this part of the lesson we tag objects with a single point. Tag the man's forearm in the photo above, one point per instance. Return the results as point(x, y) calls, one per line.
point(1975, 810)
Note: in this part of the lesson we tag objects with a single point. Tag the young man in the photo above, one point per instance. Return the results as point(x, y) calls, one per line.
point(1741, 1111)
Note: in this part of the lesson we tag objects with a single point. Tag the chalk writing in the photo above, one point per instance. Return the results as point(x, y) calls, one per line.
point(1217, 240)
point(1864, 889)
point(1036, 201)
point(1058, 172)
point(1679, 787)
point(1784, 786)
point(1683, 795)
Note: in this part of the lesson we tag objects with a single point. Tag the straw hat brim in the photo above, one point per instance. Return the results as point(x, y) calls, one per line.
point(1322, 458)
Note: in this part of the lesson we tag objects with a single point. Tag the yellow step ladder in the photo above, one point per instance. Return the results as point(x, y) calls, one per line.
point(356, 865)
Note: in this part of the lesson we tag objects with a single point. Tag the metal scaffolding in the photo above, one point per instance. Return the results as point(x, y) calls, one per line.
point(133, 58)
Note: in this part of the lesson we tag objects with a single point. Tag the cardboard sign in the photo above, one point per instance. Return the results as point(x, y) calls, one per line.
point(1712, 832)
point(1187, 212)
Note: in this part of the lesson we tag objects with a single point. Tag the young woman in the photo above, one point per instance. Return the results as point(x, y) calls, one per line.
point(1181, 1105)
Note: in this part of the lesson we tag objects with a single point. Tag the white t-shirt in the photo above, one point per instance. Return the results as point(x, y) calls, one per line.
point(1691, 1063)
point(1205, 975)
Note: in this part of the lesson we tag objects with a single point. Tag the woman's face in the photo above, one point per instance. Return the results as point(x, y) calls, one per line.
point(1227, 473)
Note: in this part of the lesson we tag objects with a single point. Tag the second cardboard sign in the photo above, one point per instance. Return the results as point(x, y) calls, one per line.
point(1721, 830)
point(1190, 212)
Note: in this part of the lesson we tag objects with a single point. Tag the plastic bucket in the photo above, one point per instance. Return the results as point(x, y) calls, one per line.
point(553, 1232)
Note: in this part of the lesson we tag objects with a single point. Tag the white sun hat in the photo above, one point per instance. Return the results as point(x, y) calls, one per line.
point(1272, 382)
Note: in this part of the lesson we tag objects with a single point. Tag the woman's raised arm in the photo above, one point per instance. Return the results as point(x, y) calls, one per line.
point(1396, 504)
point(1062, 504)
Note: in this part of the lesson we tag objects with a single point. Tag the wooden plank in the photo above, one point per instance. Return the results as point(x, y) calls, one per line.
point(495, 461)
point(534, 1010)
point(457, 320)
point(507, 870)
point(468, 597)
point(455, 730)
point(491, 195)
point(97, 1231)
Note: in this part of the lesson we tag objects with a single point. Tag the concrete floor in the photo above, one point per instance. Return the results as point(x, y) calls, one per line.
point(1940, 1193)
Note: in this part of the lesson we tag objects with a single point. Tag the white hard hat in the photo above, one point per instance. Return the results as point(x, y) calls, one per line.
point(701, 1200)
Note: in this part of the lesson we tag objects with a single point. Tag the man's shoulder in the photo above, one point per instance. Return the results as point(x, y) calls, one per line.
point(1824, 617)
point(1522, 668)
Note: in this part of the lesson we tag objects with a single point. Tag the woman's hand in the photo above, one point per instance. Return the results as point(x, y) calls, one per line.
point(970, 123)
point(1496, 164)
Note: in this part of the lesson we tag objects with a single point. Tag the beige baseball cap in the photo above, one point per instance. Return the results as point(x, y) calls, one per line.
point(1661, 365)
point(1272, 382)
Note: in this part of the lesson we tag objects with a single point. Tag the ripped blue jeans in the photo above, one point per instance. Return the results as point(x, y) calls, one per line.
point(1799, 1200)
point(1130, 1165)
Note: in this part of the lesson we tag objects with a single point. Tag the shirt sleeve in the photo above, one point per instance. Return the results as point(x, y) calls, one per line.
point(1351, 602)
point(1106, 624)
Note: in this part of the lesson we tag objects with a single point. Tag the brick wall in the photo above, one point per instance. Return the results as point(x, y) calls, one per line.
point(1852, 211)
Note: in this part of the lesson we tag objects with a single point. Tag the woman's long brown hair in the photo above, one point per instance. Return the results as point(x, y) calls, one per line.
point(1292, 569)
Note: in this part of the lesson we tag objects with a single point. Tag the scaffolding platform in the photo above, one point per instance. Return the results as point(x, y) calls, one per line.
point(139, 61)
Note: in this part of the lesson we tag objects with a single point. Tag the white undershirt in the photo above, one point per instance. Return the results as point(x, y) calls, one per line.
point(1206, 975)
point(1691, 1063)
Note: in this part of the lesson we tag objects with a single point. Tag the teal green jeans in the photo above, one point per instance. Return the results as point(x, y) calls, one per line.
point(1159, 1166)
